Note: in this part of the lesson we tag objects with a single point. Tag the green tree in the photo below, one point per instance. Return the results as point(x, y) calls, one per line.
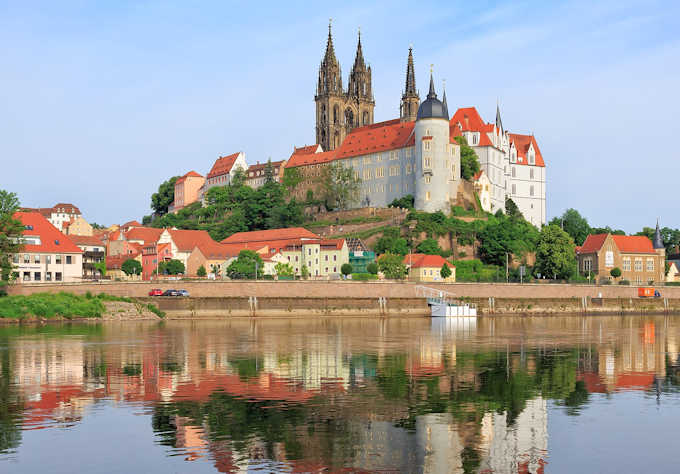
point(239, 177)
point(372, 268)
point(405, 202)
point(391, 242)
point(615, 272)
point(201, 272)
point(340, 186)
point(269, 172)
point(502, 234)
point(555, 255)
point(171, 267)
point(573, 224)
point(346, 269)
point(445, 271)
point(161, 200)
point(11, 231)
point(291, 178)
point(392, 266)
point(304, 272)
point(101, 268)
point(284, 270)
point(245, 265)
point(469, 164)
point(131, 267)
point(429, 246)
point(511, 209)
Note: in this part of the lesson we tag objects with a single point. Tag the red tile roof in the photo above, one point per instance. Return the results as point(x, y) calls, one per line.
point(187, 240)
point(261, 166)
point(190, 174)
point(303, 150)
point(300, 159)
point(217, 250)
point(469, 119)
point(290, 233)
point(114, 262)
point(66, 208)
point(145, 234)
point(625, 243)
point(328, 244)
point(131, 224)
point(522, 143)
point(86, 240)
point(49, 235)
point(377, 137)
point(421, 260)
point(223, 165)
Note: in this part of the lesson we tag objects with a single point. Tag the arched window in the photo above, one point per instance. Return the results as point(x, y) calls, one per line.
point(323, 113)
point(349, 118)
point(336, 112)
point(365, 118)
point(336, 140)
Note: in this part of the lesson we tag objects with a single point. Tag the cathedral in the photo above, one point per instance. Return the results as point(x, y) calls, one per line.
point(418, 153)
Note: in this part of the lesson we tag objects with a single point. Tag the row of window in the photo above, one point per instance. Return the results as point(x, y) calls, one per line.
point(514, 190)
point(37, 258)
point(609, 263)
point(37, 276)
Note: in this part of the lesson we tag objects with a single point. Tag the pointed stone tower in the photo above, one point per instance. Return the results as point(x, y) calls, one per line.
point(410, 100)
point(359, 93)
point(660, 250)
point(329, 99)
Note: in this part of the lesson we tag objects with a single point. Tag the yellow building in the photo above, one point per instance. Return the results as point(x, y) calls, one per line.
point(321, 257)
point(424, 267)
point(78, 226)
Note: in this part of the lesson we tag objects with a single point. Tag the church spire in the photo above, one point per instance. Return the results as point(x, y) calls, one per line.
point(658, 240)
point(329, 57)
point(431, 94)
point(359, 58)
point(409, 99)
point(446, 107)
point(499, 122)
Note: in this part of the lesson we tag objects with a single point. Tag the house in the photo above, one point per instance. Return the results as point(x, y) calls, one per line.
point(77, 226)
point(47, 254)
point(213, 257)
point(673, 274)
point(94, 251)
point(115, 263)
point(640, 260)
point(322, 257)
point(183, 242)
point(222, 172)
point(423, 267)
point(187, 190)
point(152, 255)
point(275, 240)
point(131, 241)
point(57, 215)
point(483, 189)
point(256, 174)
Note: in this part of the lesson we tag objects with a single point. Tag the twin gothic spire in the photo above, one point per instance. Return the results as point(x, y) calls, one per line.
point(330, 77)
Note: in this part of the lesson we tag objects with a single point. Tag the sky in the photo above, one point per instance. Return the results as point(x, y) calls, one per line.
point(102, 101)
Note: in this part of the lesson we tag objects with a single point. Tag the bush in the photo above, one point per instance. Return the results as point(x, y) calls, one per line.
point(50, 305)
point(364, 276)
point(462, 254)
point(372, 268)
point(624, 282)
point(155, 310)
point(615, 272)
point(201, 272)
point(346, 269)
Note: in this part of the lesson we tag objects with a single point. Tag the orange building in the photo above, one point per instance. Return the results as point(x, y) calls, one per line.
point(187, 190)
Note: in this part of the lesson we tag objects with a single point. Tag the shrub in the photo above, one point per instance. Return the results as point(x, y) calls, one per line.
point(624, 282)
point(445, 271)
point(372, 268)
point(346, 269)
point(615, 272)
point(155, 310)
point(201, 272)
point(364, 276)
point(462, 254)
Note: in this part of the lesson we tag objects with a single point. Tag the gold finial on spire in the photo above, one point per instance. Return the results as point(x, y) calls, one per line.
point(431, 68)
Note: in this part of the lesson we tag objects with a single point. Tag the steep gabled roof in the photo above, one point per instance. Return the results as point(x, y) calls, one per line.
point(187, 240)
point(290, 233)
point(223, 165)
point(469, 119)
point(593, 243)
point(67, 208)
point(86, 240)
point(522, 143)
point(51, 239)
point(262, 166)
point(190, 174)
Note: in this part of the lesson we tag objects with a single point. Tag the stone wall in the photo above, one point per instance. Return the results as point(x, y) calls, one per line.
point(345, 289)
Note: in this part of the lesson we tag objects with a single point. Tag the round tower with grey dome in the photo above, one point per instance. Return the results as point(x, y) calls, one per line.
point(437, 161)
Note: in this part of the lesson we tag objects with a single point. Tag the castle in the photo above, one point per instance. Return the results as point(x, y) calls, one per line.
point(417, 153)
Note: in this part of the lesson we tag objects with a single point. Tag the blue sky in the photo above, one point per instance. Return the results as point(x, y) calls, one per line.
point(102, 101)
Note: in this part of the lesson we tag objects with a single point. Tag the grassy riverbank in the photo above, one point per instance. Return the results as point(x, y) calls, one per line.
point(65, 306)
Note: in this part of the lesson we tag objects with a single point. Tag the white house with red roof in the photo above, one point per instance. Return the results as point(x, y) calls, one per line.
point(483, 189)
point(47, 255)
point(512, 162)
point(223, 170)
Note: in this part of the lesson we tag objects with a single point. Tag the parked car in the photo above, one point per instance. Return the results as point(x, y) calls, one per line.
point(170, 293)
point(184, 293)
point(156, 292)
point(648, 293)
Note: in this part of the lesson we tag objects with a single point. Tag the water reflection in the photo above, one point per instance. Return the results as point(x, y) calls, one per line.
point(416, 395)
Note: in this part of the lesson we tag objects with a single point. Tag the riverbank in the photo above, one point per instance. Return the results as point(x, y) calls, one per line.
point(69, 306)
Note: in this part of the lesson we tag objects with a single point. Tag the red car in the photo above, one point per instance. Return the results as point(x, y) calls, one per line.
point(156, 292)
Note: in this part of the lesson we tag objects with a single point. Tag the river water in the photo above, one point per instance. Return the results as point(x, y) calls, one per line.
point(491, 395)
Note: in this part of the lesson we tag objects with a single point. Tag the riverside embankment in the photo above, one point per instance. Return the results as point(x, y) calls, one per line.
point(369, 299)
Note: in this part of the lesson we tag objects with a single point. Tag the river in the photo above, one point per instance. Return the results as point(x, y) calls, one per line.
point(492, 395)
